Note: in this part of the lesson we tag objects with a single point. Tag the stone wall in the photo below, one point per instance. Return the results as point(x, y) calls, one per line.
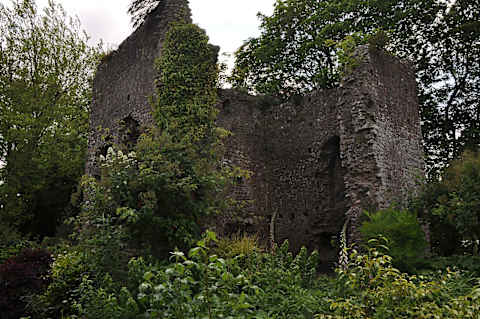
point(381, 141)
point(317, 161)
point(125, 80)
point(325, 158)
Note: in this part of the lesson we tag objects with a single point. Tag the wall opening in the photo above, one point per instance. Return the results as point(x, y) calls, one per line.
point(129, 133)
point(331, 214)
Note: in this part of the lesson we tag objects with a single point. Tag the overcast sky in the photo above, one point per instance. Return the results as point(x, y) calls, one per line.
point(228, 22)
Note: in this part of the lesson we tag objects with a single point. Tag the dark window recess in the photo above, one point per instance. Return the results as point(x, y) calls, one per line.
point(129, 132)
point(104, 149)
point(107, 143)
point(335, 173)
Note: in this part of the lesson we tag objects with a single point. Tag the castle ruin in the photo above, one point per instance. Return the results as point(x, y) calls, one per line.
point(317, 161)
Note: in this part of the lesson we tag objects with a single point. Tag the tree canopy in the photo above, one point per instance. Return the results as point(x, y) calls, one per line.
point(298, 48)
point(46, 69)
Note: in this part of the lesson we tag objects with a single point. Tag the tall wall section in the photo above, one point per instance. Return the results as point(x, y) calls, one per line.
point(125, 81)
point(381, 141)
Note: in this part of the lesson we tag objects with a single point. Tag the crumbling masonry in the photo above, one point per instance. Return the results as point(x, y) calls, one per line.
point(316, 162)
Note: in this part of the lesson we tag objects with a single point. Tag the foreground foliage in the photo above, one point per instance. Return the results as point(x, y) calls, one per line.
point(370, 287)
point(202, 284)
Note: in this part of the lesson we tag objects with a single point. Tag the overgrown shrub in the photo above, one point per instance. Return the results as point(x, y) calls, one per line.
point(66, 275)
point(444, 238)
point(406, 239)
point(204, 285)
point(21, 277)
point(452, 206)
point(260, 285)
point(461, 206)
point(237, 245)
point(370, 287)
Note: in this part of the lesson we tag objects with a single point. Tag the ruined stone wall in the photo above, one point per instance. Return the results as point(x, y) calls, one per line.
point(317, 161)
point(125, 80)
point(398, 141)
point(380, 134)
point(242, 115)
point(325, 158)
point(305, 174)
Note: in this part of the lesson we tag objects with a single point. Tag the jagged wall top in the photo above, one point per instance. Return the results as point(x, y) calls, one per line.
point(124, 79)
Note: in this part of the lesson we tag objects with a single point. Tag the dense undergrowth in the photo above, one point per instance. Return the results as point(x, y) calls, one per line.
point(217, 279)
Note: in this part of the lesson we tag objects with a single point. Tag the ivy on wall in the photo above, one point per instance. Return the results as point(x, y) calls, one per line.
point(159, 194)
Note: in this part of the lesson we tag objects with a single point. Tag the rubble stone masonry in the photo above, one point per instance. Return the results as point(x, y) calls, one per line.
point(317, 161)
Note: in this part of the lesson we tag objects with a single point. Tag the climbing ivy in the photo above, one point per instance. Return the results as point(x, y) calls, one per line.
point(187, 82)
point(158, 196)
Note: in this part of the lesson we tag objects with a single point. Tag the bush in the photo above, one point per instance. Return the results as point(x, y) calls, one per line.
point(452, 207)
point(21, 277)
point(370, 287)
point(237, 245)
point(461, 205)
point(401, 228)
point(67, 273)
point(444, 238)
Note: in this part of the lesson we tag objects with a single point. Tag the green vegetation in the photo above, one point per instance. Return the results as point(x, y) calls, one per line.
point(46, 69)
point(258, 285)
point(135, 246)
point(452, 205)
point(404, 236)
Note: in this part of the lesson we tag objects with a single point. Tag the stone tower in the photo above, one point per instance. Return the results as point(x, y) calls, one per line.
point(317, 161)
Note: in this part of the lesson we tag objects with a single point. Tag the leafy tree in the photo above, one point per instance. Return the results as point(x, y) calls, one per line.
point(461, 205)
point(46, 68)
point(448, 76)
point(298, 52)
point(139, 9)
